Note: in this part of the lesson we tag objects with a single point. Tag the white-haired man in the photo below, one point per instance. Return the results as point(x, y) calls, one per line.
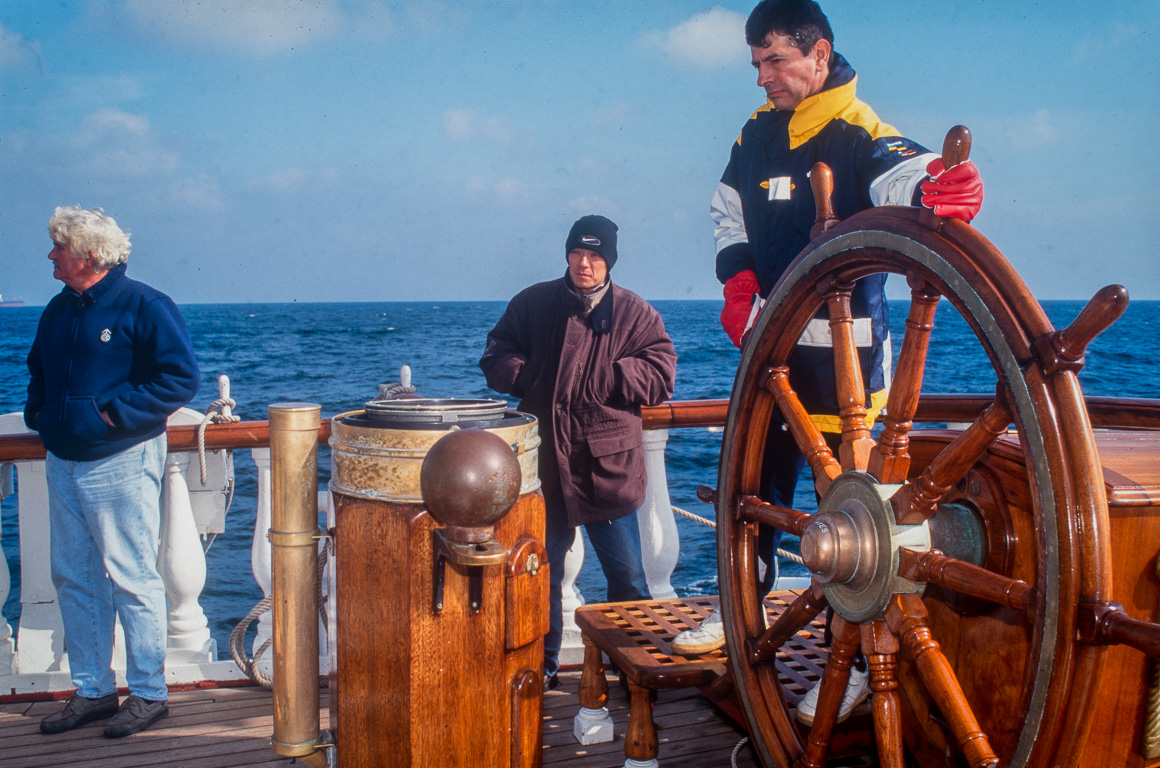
point(112, 359)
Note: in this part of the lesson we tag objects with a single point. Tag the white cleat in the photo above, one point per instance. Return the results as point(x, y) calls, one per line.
point(857, 689)
point(708, 637)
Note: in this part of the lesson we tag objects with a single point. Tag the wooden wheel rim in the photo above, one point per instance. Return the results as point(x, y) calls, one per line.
point(970, 273)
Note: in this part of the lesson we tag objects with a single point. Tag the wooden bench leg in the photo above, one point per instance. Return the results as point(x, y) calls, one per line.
point(640, 742)
point(593, 724)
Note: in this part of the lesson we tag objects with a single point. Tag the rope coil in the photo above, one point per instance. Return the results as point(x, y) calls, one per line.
point(249, 665)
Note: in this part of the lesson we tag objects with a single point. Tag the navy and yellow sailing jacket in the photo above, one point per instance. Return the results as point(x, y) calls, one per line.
point(764, 208)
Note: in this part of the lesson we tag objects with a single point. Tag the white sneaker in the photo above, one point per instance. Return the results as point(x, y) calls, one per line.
point(857, 689)
point(708, 637)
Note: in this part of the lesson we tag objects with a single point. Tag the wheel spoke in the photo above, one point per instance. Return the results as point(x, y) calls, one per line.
point(856, 440)
point(934, 567)
point(917, 501)
point(907, 617)
point(805, 433)
point(880, 647)
point(751, 509)
point(890, 459)
point(800, 612)
point(832, 689)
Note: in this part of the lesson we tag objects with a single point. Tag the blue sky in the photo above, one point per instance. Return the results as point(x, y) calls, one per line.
point(351, 150)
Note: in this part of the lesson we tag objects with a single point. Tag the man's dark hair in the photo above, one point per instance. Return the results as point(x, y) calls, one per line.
point(800, 20)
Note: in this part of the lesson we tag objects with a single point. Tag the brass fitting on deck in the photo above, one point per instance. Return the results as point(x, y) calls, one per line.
point(293, 539)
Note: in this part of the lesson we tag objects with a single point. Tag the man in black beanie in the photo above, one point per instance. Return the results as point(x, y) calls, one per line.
point(584, 355)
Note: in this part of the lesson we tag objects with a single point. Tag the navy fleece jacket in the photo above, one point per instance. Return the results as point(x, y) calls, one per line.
point(121, 347)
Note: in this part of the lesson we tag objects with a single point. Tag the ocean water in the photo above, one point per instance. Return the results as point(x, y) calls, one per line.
point(337, 354)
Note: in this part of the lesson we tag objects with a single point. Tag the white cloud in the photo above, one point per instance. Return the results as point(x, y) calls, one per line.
point(1033, 131)
point(584, 205)
point(112, 144)
point(259, 26)
point(465, 124)
point(279, 180)
point(201, 192)
point(1110, 41)
point(715, 38)
point(292, 180)
point(112, 121)
point(615, 114)
point(507, 189)
point(16, 52)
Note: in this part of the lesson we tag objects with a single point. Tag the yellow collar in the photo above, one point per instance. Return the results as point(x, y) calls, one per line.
point(817, 110)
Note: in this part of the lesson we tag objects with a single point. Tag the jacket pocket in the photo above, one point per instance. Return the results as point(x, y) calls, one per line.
point(82, 420)
point(617, 468)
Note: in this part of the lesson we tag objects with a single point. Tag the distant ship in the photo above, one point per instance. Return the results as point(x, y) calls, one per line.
point(11, 302)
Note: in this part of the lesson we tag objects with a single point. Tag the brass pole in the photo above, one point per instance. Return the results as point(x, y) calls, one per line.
point(294, 556)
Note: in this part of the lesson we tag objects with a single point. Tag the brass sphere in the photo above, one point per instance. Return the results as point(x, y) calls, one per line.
point(469, 480)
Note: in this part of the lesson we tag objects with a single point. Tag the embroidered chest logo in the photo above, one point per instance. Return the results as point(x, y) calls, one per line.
point(900, 149)
point(106, 335)
point(779, 188)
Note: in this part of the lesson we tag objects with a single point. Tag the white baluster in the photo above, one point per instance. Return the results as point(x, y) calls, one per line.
point(326, 507)
point(660, 543)
point(571, 646)
point(181, 562)
point(260, 557)
point(40, 636)
point(6, 646)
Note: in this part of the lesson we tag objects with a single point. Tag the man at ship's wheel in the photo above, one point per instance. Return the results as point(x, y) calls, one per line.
point(764, 210)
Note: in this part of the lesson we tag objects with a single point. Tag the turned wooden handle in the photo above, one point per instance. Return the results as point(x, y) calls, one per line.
point(956, 146)
point(1105, 308)
point(956, 149)
point(1109, 624)
point(1064, 350)
point(822, 183)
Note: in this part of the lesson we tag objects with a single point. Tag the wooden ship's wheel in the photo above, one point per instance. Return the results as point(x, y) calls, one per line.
point(976, 619)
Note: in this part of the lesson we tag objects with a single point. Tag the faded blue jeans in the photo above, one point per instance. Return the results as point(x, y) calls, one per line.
point(105, 520)
point(617, 546)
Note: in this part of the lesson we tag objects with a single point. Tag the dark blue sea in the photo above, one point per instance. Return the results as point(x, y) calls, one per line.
point(337, 354)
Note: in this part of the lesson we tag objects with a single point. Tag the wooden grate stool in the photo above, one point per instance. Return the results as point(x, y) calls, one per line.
point(637, 636)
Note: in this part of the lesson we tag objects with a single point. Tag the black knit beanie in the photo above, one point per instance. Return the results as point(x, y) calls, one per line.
point(595, 233)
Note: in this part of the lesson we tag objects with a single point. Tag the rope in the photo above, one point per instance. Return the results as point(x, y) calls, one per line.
point(1152, 710)
point(707, 522)
point(214, 414)
point(695, 518)
point(1152, 716)
point(391, 391)
point(238, 636)
point(736, 751)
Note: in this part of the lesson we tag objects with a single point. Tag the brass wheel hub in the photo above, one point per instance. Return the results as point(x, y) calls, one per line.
point(851, 547)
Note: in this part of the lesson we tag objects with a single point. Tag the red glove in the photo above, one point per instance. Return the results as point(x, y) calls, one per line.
point(739, 293)
point(956, 192)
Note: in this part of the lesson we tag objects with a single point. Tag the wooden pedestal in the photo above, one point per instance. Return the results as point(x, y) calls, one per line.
point(418, 688)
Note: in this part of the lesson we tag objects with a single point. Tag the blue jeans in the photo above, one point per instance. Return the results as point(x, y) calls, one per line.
point(105, 520)
point(617, 546)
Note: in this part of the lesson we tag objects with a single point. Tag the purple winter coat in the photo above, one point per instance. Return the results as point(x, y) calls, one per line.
point(585, 378)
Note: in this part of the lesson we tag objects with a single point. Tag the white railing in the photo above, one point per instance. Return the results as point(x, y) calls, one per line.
point(34, 659)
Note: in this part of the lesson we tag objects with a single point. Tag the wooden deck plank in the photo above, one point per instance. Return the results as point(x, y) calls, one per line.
point(230, 728)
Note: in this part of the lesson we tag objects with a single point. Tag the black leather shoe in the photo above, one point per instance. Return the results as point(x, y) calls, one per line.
point(551, 682)
point(136, 714)
point(77, 711)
